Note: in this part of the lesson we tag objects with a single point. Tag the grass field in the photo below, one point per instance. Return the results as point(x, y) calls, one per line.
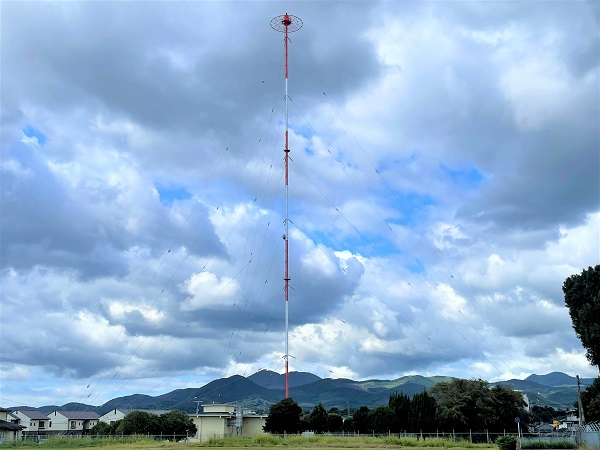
point(260, 441)
point(264, 441)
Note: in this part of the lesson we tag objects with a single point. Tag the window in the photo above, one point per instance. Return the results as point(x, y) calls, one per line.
point(73, 424)
point(42, 425)
point(50, 424)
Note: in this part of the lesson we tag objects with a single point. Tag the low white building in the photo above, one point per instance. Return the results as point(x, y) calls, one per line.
point(221, 420)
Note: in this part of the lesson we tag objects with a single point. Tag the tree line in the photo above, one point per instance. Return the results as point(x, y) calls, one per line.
point(172, 423)
point(460, 405)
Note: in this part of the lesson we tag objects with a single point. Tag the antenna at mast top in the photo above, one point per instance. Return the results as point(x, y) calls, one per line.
point(286, 23)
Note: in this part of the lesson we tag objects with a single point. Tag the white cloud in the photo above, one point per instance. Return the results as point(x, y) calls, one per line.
point(440, 193)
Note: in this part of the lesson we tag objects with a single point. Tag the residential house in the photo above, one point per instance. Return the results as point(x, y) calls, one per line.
point(35, 422)
point(73, 422)
point(9, 431)
point(113, 416)
point(571, 422)
point(219, 420)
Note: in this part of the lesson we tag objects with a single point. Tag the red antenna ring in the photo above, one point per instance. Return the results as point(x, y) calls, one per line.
point(286, 22)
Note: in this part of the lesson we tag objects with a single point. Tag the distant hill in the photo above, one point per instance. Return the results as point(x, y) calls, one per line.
point(264, 388)
point(274, 380)
point(558, 379)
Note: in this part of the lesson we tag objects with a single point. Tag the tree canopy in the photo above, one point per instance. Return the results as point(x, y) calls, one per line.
point(582, 297)
point(471, 405)
point(317, 420)
point(140, 422)
point(590, 398)
point(284, 417)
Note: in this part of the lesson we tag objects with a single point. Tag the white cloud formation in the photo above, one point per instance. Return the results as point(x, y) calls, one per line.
point(443, 183)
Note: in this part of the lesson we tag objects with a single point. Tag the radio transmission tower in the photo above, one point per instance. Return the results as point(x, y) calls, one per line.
point(286, 24)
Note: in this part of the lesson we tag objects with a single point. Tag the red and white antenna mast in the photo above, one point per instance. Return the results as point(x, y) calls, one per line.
point(286, 24)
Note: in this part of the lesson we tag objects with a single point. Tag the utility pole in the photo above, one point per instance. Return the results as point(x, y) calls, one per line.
point(579, 403)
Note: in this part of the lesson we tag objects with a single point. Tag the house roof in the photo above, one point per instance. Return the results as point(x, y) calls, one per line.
point(4, 425)
point(34, 415)
point(79, 415)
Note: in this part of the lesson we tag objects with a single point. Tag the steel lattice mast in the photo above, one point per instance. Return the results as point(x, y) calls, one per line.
point(286, 24)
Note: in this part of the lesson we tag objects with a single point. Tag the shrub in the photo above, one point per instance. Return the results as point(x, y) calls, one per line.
point(507, 442)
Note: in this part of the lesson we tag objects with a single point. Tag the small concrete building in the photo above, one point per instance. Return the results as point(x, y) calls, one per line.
point(221, 420)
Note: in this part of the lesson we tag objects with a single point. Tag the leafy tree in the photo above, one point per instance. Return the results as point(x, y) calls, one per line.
point(284, 417)
point(507, 404)
point(348, 424)
point(590, 398)
point(335, 423)
point(582, 297)
point(361, 420)
point(136, 422)
point(471, 404)
point(423, 413)
point(118, 427)
point(381, 419)
point(545, 414)
point(176, 423)
point(317, 419)
point(400, 405)
point(101, 429)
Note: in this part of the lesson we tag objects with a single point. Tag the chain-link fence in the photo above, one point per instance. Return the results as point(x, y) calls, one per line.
point(590, 434)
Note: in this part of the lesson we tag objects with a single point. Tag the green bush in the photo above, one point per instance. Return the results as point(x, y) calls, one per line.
point(507, 442)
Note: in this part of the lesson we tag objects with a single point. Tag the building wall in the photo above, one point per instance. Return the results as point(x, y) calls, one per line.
point(219, 408)
point(212, 426)
point(112, 416)
point(216, 426)
point(63, 424)
point(252, 426)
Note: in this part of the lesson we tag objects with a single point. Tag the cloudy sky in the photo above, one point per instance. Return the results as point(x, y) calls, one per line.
point(444, 181)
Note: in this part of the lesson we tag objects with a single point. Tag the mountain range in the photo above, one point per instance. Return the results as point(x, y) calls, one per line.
point(265, 387)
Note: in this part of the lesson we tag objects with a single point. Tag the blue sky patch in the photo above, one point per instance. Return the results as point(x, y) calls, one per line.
point(469, 178)
point(168, 194)
point(30, 132)
point(410, 205)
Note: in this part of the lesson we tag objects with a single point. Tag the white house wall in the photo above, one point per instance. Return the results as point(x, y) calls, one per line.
point(112, 416)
